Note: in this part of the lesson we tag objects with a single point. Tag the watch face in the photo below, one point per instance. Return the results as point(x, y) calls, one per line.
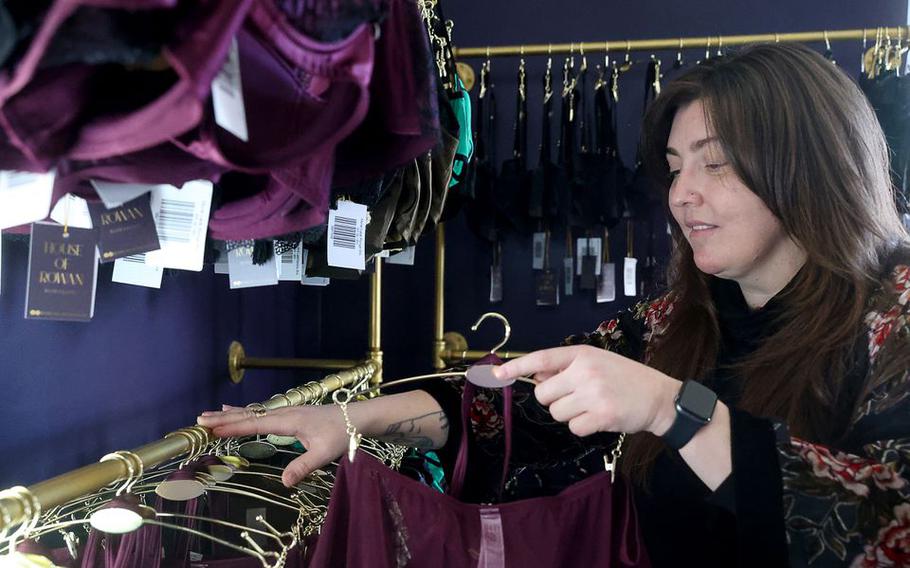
point(697, 400)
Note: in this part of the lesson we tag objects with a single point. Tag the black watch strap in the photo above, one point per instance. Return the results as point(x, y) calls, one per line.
point(695, 405)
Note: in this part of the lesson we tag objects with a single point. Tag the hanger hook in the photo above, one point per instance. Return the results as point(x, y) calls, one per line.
point(827, 41)
point(708, 49)
point(720, 45)
point(505, 323)
point(628, 50)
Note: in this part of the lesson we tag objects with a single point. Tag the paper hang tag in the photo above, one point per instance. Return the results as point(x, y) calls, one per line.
point(25, 197)
point(181, 217)
point(568, 273)
point(134, 271)
point(595, 250)
point(495, 283)
point(405, 257)
point(62, 274)
point(290, 264)
point(72, 211)
point(581, 250)
point(588, 280)
point(546, 286)
point(125, 230)
point(242, 273)
point(606, 283)
point(628, 272)
point(311, 280)
point(116, 194)
point(227, 95)
point(346, 236)
point(539, 251)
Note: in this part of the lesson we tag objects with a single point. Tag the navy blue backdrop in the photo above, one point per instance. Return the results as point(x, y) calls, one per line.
point(151, 360)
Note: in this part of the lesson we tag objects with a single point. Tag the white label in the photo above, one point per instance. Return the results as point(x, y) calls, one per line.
point(181, 217)
point(628, 276)
point(25, 197)
point(227, 95)
point(347, 235)
point(114, 195)
point(581, 250)
point(73, 211)
point(405, 257)
point(242, 273)
point(133, 270)
point(538, 252)
point(290, 264)
point(311, 280)
point(568, 274)
point(606, 285)
point(595, 249)
point(496, 283)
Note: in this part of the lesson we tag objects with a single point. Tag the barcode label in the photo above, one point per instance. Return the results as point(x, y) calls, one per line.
point(347, 236)
point(568, 274)
point(629, 287)
point(175, 221)
point(291, 265)
point(133, 270)
point(227, 95)
point(181, 217)
point(345, 233)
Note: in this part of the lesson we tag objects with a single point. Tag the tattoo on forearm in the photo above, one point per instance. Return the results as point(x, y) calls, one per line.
point(409, 432)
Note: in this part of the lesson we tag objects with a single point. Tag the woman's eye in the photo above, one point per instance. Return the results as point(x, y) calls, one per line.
point(715, 167)
point(672, 175)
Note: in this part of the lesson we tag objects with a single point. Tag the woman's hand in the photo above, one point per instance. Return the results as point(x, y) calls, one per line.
point(598, 391)
point(412, 418)
point(320, 429)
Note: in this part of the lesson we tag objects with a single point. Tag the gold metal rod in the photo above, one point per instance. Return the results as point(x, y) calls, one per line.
point(673, 43)
point(88, 479)
point(439, 316)
point(475, 355)
point(275, 363)
point(375, 340)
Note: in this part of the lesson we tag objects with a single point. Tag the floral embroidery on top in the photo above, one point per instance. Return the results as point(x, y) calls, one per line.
point(852, 472)
point(880, 327)
point(655, 315)
point(901, 278)
point(891, 545)
point(486, 421)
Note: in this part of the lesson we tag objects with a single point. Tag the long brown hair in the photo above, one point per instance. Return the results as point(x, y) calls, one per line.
point(802, 136)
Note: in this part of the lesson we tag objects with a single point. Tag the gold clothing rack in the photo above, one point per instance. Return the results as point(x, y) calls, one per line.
point(898, 33)
point(85, 480)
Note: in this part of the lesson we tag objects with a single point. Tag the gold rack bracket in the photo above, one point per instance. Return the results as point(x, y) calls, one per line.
point(674, 43)
point(238, 362)
point(193, 440)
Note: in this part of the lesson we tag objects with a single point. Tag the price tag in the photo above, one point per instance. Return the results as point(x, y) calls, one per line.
point(72, 211)
point(495, 283)
point(547, 288)
point(405, 257)
point(568, 274)
point(62, 273)
point(628, 271)
point(539, 251)
point(227, 95)
point(290, 264)
point(25, 197)
point(125, 230)
point(181, 217)
point(346, 236)
point(311, 280)
point(242, 273)
point(581, 250)
point(116, 194)
point(606, 283)
point(134, 271)
point(595, 250)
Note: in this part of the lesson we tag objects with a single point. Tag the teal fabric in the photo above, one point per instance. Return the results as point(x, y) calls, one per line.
point(462, 106)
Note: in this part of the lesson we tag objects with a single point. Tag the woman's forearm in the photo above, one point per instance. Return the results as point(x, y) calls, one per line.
point(412, 419)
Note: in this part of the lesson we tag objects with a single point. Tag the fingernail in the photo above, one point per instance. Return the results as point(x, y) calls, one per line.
point(498, 373)
point(228, 407)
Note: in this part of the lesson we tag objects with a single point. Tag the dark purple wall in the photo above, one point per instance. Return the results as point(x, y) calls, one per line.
point(151, 360)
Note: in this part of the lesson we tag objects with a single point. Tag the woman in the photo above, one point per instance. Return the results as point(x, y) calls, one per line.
point(767, 392)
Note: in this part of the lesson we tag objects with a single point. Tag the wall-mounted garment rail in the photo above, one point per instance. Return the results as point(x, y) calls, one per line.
point(85, 480)
point(616, 46)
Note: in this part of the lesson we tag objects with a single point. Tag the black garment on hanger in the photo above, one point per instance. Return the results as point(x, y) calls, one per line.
point(543, 203)
point(481, 213)
point(513, 186)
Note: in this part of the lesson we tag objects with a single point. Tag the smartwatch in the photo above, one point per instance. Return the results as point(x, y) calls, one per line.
point(695, 405)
